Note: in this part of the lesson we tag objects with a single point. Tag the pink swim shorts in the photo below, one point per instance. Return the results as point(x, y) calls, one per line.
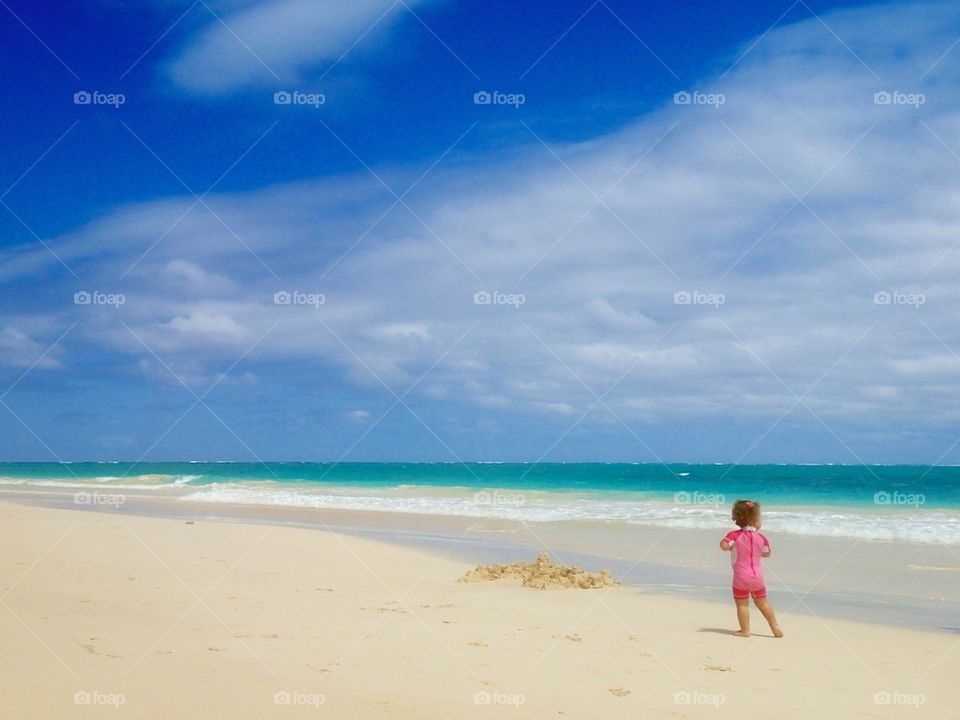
point(758, 592)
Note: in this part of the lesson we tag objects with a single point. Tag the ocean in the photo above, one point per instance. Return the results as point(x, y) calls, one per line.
point(914, 504)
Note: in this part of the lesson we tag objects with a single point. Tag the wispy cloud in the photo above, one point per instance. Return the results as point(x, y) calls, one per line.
point(711, 261)
point(275, 41)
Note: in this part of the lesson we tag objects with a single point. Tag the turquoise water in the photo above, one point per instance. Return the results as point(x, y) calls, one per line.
point(829, 485)
point(881, 503)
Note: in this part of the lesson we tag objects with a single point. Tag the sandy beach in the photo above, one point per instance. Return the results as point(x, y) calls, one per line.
point(458, 361)
point(144, 617)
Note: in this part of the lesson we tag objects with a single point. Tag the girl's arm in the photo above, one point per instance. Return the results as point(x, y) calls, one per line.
point(727, 543)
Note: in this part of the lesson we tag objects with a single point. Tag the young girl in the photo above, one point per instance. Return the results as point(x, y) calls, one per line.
point(746, 547)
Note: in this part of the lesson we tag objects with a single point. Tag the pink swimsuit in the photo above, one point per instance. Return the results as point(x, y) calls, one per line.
point(748, 546)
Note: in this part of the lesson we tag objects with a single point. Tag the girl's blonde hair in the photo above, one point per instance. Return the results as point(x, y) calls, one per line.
point(745, 512)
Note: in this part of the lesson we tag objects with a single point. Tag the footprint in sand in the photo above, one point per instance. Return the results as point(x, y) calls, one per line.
point(93, 651)
point(478, 643)
point(619, 691)
point(572, 638)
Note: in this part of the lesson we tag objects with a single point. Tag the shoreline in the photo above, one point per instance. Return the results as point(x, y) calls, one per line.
point(162, 616)
point(690, 569)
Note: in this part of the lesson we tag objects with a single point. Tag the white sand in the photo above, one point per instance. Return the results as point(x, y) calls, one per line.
point(214, 620)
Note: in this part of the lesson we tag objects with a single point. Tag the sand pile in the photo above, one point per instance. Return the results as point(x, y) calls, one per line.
point(542, 574)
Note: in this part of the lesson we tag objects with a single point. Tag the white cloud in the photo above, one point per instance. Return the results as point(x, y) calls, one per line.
point(699, 213)
point(17, 349)
point(190, 276)
point(557, 408)
point(207, 325)
point(274, 41)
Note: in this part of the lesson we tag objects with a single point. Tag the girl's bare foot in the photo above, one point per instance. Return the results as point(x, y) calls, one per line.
point(764, 606)
point(743, 633)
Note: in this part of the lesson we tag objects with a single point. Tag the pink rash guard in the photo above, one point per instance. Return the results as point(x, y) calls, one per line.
point(747, 547)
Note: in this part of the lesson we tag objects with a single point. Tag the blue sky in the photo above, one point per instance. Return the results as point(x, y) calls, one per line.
point(767, 272)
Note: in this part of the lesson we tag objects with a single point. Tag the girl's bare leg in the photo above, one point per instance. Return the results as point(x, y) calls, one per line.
point(766, 609)
point(743, 617)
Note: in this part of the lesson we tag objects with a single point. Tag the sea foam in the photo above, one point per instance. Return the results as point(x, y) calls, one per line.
point(915, 526)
